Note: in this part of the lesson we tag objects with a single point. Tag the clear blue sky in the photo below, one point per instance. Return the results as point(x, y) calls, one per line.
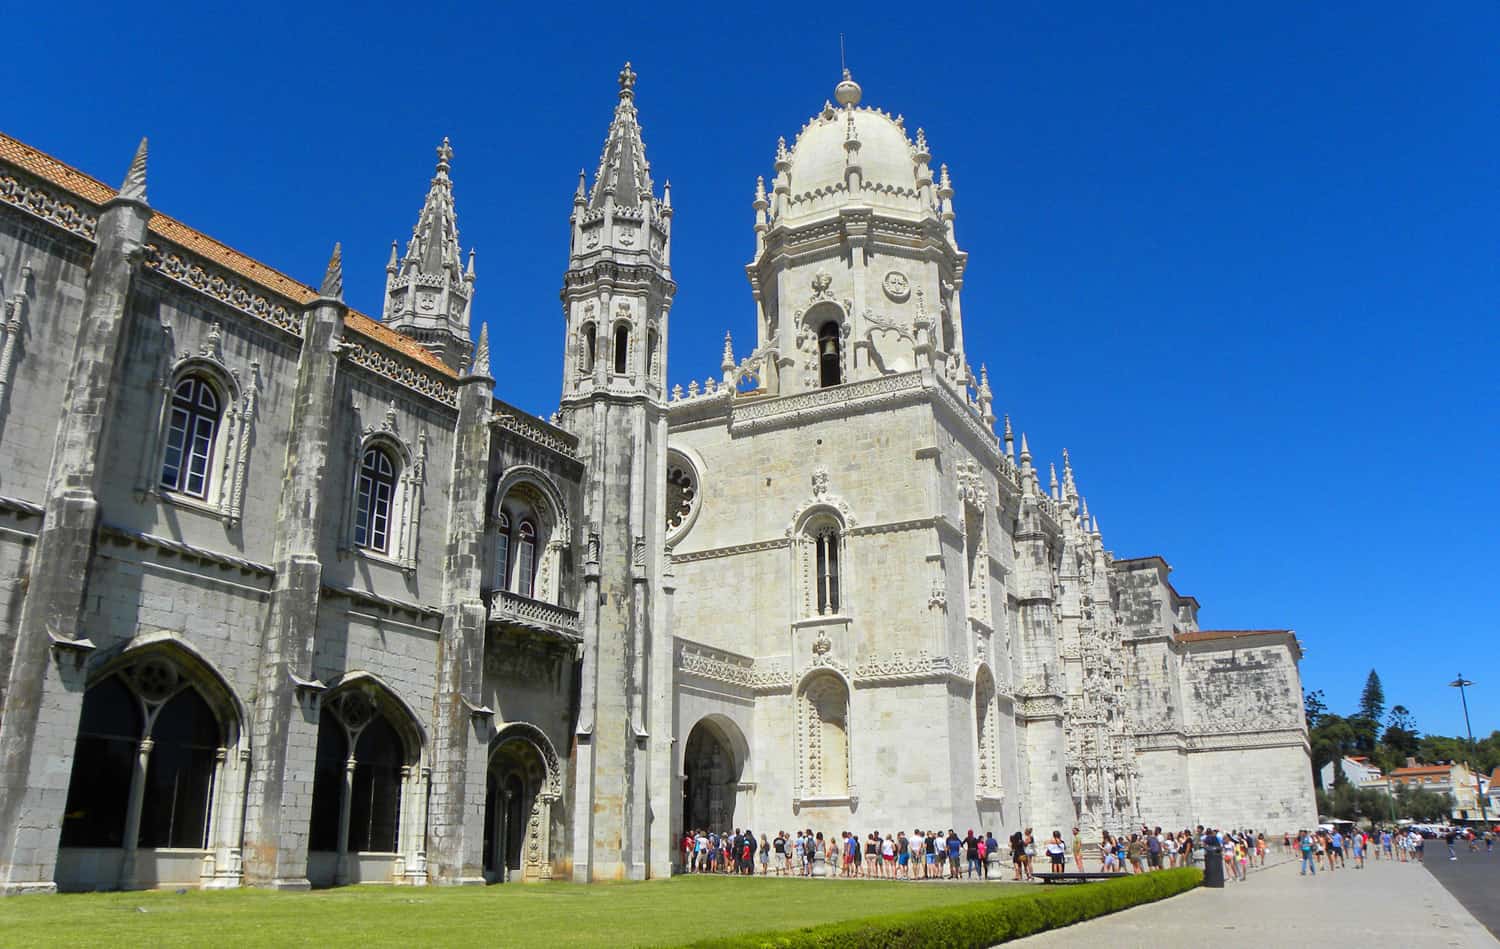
point(1240, 259)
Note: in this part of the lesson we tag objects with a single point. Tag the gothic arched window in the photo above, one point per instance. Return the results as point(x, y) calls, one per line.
point(374, 498)
point(191, 433)
point(829, 360)
point(147, 739)
point(622, 349)
point(359, 773)
point(525, 580)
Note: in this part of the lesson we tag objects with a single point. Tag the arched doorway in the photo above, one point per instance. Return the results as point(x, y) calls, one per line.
point(520, 786)
point(711, 769)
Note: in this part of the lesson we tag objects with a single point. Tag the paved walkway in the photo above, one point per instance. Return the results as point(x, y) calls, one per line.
point(1385, 904)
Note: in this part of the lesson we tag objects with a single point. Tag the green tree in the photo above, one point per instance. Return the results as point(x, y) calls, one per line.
point(1330, 741)
point(1372, 699)
point(1315, 707)
point(1422, 804)
point(1401, 738)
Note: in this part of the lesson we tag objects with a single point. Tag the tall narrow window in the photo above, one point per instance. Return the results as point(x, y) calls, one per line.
point(829, 371)
point(190, 437)
point(622, 349)
point(502, 553)
point(828, 571)
point(372, 514)
point(180, 779)
point(590, 345)
point(525, 558)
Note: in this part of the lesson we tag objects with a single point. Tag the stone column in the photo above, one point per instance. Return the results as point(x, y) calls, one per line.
point(346, 805)
point(43, 698)
point(284, 726)
point(455, 853)
point(131, 842)
point(665, 828)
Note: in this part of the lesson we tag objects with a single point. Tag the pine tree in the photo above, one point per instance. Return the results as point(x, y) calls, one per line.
point(1372, 699)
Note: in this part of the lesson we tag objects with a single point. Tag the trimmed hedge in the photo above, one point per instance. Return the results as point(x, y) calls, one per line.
point(978, 924)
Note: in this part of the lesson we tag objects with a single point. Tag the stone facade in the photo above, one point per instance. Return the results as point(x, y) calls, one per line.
point(289, 598)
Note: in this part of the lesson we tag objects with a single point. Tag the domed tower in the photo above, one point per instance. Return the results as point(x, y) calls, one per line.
point(857, 272)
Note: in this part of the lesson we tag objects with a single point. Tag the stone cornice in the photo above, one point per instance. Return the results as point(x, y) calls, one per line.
point(853, 398)
point(556, 440)
point(201, 554)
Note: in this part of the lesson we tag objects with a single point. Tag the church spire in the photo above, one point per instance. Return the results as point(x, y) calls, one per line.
point(624, 175)
point(428, 292)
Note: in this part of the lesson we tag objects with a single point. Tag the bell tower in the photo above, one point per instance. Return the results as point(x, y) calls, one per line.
point(616, 295)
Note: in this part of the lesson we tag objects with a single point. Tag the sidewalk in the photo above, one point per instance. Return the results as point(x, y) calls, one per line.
point(1385, 904)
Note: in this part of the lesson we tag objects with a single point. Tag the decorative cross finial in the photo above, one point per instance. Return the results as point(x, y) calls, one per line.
point(627, 82)
point(445, 155)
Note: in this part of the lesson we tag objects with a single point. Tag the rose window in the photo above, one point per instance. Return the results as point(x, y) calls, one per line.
point(682, 494)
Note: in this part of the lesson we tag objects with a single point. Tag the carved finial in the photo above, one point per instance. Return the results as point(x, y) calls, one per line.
point(445, 156)
point(390, 265)
point(469, 271)
point(1025, 450)
point(666, 195)
point(984, 382)
point(781, 153)
point(760, 192)
point(333, 277)
point(727, 363)
point(579, 196)
point(481, 365)
point(1052, 478)
point(944, 182)
point(134, 186)
point(921, 141)
point(390, 416)
point(627, 82)
point(1096, 527)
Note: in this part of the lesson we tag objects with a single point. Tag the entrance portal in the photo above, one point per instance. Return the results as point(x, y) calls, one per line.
point(514, 822)
point(712, 780)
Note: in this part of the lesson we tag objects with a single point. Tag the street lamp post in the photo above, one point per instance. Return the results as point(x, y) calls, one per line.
point(1461, 684)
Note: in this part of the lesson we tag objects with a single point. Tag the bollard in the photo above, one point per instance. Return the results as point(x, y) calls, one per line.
point(1213, 862)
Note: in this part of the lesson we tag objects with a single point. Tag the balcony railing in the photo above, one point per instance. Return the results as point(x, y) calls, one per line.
point(507, 607)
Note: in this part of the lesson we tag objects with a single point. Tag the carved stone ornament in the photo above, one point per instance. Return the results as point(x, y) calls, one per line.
point(896, 286)
point(822, 283)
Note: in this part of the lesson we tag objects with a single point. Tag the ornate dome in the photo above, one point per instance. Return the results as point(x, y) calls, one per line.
point(888, 161)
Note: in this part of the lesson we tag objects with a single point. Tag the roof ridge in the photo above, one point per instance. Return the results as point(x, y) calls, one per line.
point(83, 185)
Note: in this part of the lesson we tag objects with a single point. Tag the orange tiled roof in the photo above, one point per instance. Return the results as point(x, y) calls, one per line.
point(90, 189)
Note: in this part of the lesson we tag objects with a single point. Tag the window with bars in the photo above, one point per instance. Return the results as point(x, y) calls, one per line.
point(827, 542)
point(525, 559)
point(191, 432)
point(374, 501)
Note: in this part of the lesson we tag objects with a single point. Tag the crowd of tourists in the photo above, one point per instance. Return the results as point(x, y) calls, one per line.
point(1331, 850)
point(934, 854)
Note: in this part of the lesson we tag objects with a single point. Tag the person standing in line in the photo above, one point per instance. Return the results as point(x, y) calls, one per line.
point(1057, 853)
point(971, 854)
point(955, 854)
point(991, 856)
point(1419, 846)
point(1108, 861)
point(1077, 850)
point(1030, 854)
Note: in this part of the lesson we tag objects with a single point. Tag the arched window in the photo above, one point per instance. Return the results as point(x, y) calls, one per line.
point(829, 370)
point(191, 431)
point(144, 725)
point(590, 343)
point(373, 503)
point(826, 541)
point(357, 776)
point(525, 559)
point(622, 349)
point(502, 553)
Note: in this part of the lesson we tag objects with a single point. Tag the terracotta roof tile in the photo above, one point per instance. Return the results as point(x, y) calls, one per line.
point(90, 189)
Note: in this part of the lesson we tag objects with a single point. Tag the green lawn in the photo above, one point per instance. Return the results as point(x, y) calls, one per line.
point(667, 912)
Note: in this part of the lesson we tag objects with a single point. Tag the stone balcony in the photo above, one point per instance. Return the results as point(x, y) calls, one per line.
point(549, 619)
